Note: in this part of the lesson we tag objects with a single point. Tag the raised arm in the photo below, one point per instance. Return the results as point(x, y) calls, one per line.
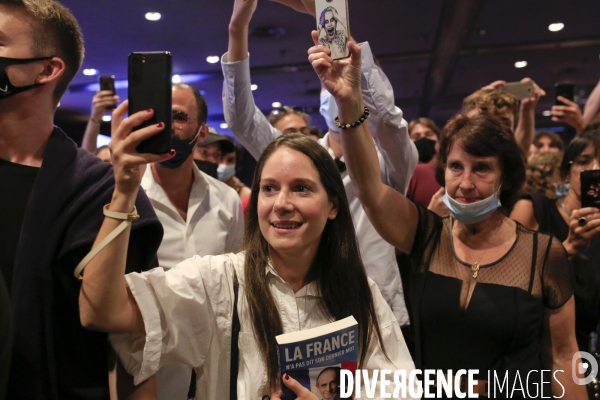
point(526, 126)
point(105, 302)
point(592, 105)
point(392, 214)
point(244, 119)
point(389, 129)
point(100, 102)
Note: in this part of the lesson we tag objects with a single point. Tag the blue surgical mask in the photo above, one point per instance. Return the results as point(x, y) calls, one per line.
point(329, 110)
point(471, 213)
point(183, 150)
point(561, 190)
point(225, 172)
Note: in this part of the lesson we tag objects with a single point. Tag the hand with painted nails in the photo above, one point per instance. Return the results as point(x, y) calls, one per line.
point(127, 162)
point(295, 386)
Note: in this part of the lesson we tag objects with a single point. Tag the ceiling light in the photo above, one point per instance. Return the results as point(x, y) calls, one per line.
point(90, 71)
point(223, 126)
point(547, 113)
point(153, 16)
point(253, 87)
point(213, 59)
point(520, 64)
point(106, 118)
point(276, 104)
point(555, 27)
point(176, 79)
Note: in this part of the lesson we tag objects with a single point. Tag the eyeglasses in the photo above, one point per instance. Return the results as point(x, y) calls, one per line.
point(286, 110)
point(179, 117)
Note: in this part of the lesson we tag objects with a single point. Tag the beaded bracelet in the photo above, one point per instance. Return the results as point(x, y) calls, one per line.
point(354, 124)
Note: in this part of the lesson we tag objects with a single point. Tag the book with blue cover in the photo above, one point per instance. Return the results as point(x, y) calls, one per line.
point(315, 357)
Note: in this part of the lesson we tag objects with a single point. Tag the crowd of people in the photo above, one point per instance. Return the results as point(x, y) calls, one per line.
point(164, 276)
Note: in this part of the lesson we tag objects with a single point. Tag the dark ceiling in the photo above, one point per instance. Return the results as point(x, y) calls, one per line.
point(435, 52)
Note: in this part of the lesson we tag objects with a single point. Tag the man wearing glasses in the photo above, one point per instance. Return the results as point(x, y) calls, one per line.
point(200, 215)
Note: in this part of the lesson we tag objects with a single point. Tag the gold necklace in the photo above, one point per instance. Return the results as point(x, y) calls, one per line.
point(476, 264)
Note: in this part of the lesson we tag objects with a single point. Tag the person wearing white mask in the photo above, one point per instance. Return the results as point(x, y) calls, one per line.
point(226, 172)
point(396, 152)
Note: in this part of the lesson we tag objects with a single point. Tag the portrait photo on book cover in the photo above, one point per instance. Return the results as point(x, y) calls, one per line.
point(332, 26)
point(325, 382)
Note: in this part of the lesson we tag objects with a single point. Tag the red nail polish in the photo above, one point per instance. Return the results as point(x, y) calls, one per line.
point(172, 152)
point(286, 377)
point(149, 110)
point(160, 125)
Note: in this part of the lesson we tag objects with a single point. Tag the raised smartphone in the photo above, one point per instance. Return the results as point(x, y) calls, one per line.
point(521, 90)
point(149, 76)
point(590, 188)
point(566, 90)
point(333, 26)
point(107, 82)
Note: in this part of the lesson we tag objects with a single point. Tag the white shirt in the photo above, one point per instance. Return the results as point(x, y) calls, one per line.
point(187, 315)
point(214, 225)
point(397, 159)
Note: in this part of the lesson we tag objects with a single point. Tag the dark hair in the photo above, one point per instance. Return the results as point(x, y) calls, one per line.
point(337, 371)
point(337, 268)
point(485, 136)
point(425, 122)
point(200, 101)
point(277, 114)
point(54, 32)
point(238, 156)
point(575, 148)
point(315, 131)
point(555, 139)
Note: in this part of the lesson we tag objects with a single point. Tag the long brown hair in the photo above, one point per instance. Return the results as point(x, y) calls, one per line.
point(337, 267)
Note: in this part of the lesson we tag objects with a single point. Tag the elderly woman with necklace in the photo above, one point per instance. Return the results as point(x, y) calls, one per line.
point(487, 293)
point(578, 228)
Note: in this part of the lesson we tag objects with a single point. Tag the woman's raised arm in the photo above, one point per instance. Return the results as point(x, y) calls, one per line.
point(105, 302)
point(391, 213)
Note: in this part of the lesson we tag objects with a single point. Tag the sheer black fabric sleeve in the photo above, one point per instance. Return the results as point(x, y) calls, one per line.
point(557, 276)
point(427, 238)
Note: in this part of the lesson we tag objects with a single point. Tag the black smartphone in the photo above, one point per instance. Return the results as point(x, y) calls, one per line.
point(149, 76)
point(107, 82)
point(566, 90)
point(590, 188)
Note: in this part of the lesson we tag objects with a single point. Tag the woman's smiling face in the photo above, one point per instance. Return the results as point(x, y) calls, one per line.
point(293, 205)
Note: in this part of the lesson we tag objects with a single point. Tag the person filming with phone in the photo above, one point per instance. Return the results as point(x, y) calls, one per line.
point(577, 227)
point(102, 102)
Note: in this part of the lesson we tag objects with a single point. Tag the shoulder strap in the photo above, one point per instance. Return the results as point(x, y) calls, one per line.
point(235, 333)
point(533, 261)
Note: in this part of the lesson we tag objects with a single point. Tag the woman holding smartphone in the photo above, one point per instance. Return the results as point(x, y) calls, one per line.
point(576, 227)
point(300, 269)
point(487, 293)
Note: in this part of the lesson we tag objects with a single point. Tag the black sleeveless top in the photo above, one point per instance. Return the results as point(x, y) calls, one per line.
point(500, 329)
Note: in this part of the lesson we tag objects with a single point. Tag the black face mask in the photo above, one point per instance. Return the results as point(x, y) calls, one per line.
point(7, 89)
point(207, 167)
